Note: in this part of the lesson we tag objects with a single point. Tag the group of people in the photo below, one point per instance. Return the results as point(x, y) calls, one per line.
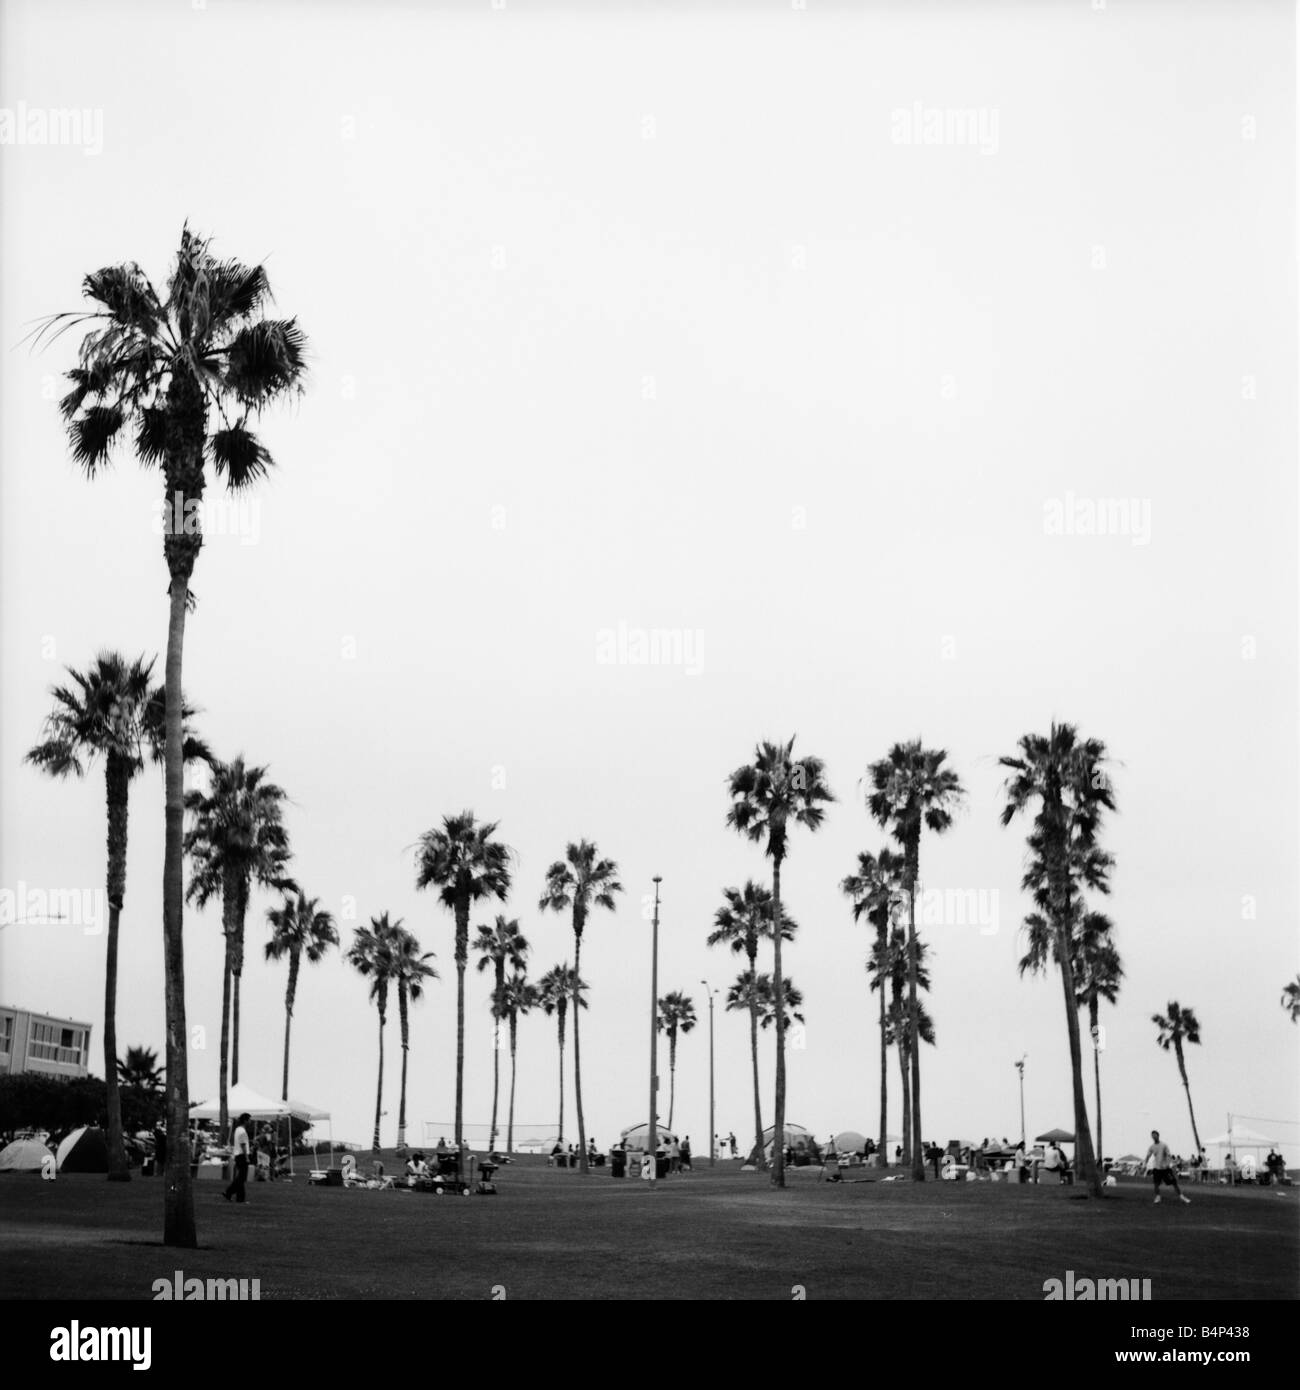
point(560, 1156)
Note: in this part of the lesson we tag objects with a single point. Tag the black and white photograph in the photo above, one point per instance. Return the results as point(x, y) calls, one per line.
point(649, 652)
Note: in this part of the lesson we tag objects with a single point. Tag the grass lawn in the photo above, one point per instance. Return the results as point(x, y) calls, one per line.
point(710, 1235)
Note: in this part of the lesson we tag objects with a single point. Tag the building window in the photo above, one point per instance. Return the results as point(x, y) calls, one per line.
point(50, 1043)
point(6, 1033)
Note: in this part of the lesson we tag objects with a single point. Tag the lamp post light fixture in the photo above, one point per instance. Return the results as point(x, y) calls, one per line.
point(1020, 1067)
point(652, 1140)
point(712, 1146)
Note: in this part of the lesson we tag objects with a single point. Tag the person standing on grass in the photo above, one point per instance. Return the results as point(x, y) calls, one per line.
point(240, 1148)
point(1161, 1163)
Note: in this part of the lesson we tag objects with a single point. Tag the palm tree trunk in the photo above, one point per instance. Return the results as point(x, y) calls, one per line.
point(496, 1045)
point(406, 1041)
point(884, 1053)
point(227, 980)
point(672, 1077)
point(237, 967)
point(1096, 1071)
point(561, 1130)
point(379, 1090)
point(1085, 1161)
point(760, 1160)
point(462, 955)
point(510, 1126)
point(186, 433)
point(117, 782)
point(1182, 1071)
point(903, 1059)
point(294, 955)
point(778, 990)
point(583, 1166)
point(912, 1138)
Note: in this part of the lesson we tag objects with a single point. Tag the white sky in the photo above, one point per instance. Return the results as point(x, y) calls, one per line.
point(661, 285)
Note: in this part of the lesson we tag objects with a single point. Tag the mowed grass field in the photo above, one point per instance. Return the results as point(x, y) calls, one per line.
point(709, 1235)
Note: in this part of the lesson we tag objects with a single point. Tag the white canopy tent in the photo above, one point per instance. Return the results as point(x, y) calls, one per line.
point(1240, 1136)
point(242, 1099)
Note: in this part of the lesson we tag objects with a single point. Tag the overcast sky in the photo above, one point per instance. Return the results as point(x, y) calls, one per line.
point(928, 372)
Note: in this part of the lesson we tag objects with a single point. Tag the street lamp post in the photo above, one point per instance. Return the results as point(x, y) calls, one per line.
point(653, 1140)
point(712, 1155)
point(1020, 1067)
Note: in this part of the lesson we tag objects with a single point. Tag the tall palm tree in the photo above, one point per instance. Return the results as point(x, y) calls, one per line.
point(911, 789)
point(1178, 1026)
point(299, 928)
point(1098, 977)
point(518, 996)
point(676, 1015)
point(372, 955)
point(1291, 999)
point(581, 881)
point(557, 987)
point(769, 796)
point(877, 893)
point(109, 711)
point(169, 367)
point(410, 971)
point(237, 839)
point(756, 994)
point(888, 965)
point(499, 945)
point(743, 920)
point(466, 865)
point(1065, 776)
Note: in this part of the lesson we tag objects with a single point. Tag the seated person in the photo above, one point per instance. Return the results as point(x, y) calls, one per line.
point(416, 1168)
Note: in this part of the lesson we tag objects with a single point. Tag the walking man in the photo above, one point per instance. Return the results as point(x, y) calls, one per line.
point(1162, 1167)
point(240, 1148)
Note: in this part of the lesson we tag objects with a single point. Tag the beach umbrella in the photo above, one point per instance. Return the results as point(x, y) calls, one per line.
point(1129, 1158)
point(850, 1141)
point(1055, 1136)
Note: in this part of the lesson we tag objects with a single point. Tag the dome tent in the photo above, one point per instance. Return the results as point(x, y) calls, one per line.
point(85, 1150)
point(23, 1156)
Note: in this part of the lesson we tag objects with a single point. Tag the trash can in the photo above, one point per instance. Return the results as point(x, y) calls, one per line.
point(661, 1165)
point(618, 1164)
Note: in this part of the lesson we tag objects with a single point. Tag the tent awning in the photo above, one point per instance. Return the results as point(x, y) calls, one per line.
point(242, 1099)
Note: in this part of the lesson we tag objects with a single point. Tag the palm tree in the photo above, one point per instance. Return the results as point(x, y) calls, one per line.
point(141, 1080)
point(410, 971)
point(877, 893)
point(1291, 999)
point(888, 964)
point(164, 365)
point(557, 987)
point(465, 864)
point(109, 711)
point(1178, 1026)
point(741, 922)
point(299, 928)
point(676, 1014)
point(754, 994)
point(768, 1014)
point(580, 880)
point(1065, 775)
point(499, 945)
point(372, 955)
point(1097, 977)
point(910, 790)
point(237, 838)
point(518, 996)
point(769, 796)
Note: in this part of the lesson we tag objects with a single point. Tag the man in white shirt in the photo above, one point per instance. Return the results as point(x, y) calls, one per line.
point(1161, 1163)
point(241, 1148)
